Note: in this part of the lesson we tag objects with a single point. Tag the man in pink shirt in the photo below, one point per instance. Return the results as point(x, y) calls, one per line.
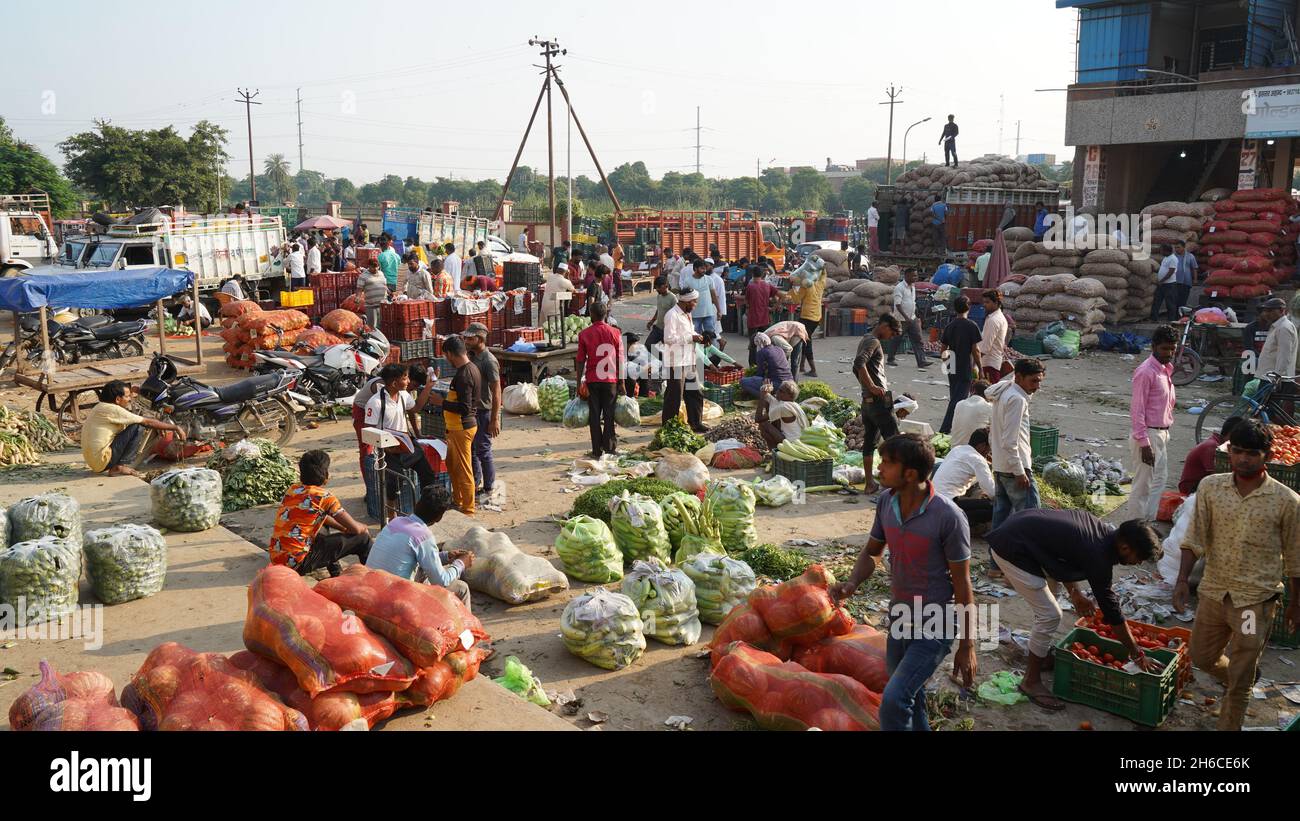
point(600, 373)
point(760, 296)
point(1152, 412)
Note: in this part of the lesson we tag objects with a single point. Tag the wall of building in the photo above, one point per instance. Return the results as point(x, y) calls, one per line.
point(1172, 36)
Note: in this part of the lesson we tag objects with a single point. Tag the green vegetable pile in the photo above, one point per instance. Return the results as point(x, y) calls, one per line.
point(665, 598)
point(187, 500)
point(587, 548)
point(942, 443)
point(43, 574)
point(674, 434)
point(638, 526)
point(774, 562)
point(815, 387)
point(576, 413)
point(573, 325)
point(595, 502)
point(50, 514)
point(24, 435)
point(840, 410)
point(603, 628)
point(721, 583)
point(673, 504)
point(733, 502)
point(125, 562)
point(650, 405)
point(1060, 500)
point(552, 396)
point(253, 472)
point(824, 437)
point(700, 530)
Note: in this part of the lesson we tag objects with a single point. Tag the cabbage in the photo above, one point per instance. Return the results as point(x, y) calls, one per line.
point(1066, 477)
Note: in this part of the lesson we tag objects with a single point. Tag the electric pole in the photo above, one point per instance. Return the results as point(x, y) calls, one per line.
point(1002, 114)
point(697, 139)
point(550, 48)
point(300, 165)
point(247, 100)
point(893, 100)
point(1017, 139)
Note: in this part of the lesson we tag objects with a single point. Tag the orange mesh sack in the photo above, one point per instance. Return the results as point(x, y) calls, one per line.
point(801, 609)
point(179, 689)
point(858, 654)
point(355, 303)
point(313, 339)
point(744, 623)
point(239, 307)
point(328, 711)
point(441, 681)
point(75, 701)
point(423, 621)
point(291, 623)
point(785, 696)
point(342, 321)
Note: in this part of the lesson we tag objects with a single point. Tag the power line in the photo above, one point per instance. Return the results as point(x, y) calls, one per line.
point(889, 151)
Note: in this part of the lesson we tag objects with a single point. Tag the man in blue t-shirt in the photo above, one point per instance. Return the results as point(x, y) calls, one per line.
point(938, 219)
point(406, 545)
point(929, 563)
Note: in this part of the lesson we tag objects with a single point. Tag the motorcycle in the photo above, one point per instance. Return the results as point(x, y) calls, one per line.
point(30, 345)
point(256, 406)
point(89, 337)
point(330, 375)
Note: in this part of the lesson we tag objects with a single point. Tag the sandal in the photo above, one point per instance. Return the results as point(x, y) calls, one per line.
point(1051, 703)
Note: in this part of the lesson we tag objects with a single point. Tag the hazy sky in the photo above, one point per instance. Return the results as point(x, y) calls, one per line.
point(436, 89)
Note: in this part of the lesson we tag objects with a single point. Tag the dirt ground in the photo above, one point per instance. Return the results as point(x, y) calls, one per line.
point(1086, 398)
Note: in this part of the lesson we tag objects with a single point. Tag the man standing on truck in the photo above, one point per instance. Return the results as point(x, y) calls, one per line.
point(902, 216)
point(873, 227)
point(938, 220)
point(949, 140)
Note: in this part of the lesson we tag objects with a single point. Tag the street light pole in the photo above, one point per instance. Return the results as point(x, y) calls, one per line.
point(905, 133)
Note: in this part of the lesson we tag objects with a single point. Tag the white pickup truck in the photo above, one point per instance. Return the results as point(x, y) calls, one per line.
point(25, 237)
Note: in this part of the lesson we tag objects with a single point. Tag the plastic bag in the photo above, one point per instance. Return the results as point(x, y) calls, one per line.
point(1172, 556)
point(88, 686)
point(684, 470)
point(125, 562)
point(858, 654)
point(552, 396)
point(326, 649)
point(587, 548)
point(733, 506)
point(721, 584)
point(504, 572)
point(801, 609)
point(1067, 477)
point(672, 514)
point(603, 628)
point(665, 598)
point(520, 399)
point(423, 621)
point(4, 528)
point(187, 500)
point(1003, 687)
point(38, 579)
point(179, 689)
point(848, 475)
point(442, 680)
point(50, 514)
point(638, 526)
point(627, 412)
point(576, 413)
point(774, 492)
point(785, 696)
point(519, 680)
point(328, 711)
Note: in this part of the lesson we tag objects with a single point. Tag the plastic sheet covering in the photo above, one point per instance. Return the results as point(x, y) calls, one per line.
point(50, 514)
point(187, 500)
point(603, 628)
point(125, 562)
point(103, 289)
point(504, 572)
point(38, 579)
point(587, 548)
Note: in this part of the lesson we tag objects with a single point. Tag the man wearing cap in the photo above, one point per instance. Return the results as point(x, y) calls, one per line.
point(680, 363)
point(557, 282)
point(489, 408)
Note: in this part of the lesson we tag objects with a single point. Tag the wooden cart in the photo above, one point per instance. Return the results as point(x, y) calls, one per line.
point(535, 363)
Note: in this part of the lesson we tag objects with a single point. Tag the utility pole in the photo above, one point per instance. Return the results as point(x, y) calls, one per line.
point(568, 174)
point(300, 165)
point(550, 48)
point(247, 100)
point(697, 139)
point(1017, 139)
point(1002, 115)
point(893, 100)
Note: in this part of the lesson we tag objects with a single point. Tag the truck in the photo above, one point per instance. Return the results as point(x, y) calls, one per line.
point(214, 247)
point(26, 233)
point(436, 228)
point(736, 233)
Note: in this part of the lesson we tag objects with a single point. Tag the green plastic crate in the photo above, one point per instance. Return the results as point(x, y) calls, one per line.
point(1028, 345)
point(1280, 636)
point(722, 395)
point(819, 473)
point(1146, 698)
point(1044, 442)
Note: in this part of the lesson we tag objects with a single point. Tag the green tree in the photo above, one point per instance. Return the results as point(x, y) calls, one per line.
point(276, 168)
point(312, 187)
point(415, 192)
point(344, 191)
point(776, 191)
point(25, 170)
point(809, 190)
point(137, 168)
point(632, 183)
point(857, 194)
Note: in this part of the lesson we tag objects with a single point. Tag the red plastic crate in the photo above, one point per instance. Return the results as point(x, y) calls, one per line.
point(522, 319)
point(394, 356)
point(508, 336)
point(406, 311)
point(403, 331)
point(442, 310)
point(459, 322)
point(718, 376)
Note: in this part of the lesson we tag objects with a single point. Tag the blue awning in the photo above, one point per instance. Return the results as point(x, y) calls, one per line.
point(104, 290)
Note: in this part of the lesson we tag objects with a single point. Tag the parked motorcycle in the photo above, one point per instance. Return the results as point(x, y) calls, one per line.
point(330, 374)
point(259, 406)
point(89, 337)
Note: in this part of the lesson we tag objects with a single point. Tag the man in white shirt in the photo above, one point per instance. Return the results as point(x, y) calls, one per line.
point(1166, 286)
point(993, 338)
point(452, 265)
point(720, 292)
point(394, 409)
point(188, 310)
point(1279, 353)
point(313, 257)
point(523, 241)
point(680, 364)
point(971, 413)
point(873, 227)
point(295, 263)
point(605, 258)
point(962, 469)
point(1013, 465)
point(234, 287)
point(557, 282)
point(905, 310)
point(672, 267)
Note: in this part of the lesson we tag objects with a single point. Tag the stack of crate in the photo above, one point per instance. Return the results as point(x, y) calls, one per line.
point(404, 321)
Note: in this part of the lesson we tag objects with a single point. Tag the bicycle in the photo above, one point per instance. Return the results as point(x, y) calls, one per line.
point(1188, 362)
point(1263, 405)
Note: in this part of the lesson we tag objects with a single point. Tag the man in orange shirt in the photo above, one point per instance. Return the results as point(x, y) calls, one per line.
point(442, 284)
point(307, 509)
point(460, 415)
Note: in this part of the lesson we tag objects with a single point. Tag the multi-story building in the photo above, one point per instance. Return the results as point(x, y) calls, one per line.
point(1173, 97)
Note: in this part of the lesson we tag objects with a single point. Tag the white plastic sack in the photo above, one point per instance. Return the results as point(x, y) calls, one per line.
point(603, 628)
point(627, 412)
point(50, 514)
point(721, 583)
point(125, 562)
point(187, 500)
point(777, 491)
point(684, 470)
point(38, 579)
point(1171, 558)
point(848, 475)
point(665, 599)
point(505, 572)
point(520, 399)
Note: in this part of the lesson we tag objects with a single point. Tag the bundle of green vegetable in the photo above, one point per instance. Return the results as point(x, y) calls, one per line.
point(638, 526)
point(42, 574)
point(774, 562)
point(815, 387)
point(576, 413)
point(173, 328)
point(701, 531)
point(823, 436)
point(253, 472)
point(665, 598)
point(43, 435)
point(125, 562)
point(776, 491)
point(595, 502)
point(721, 583)
point(50, 514)
point(733, 502)
point(673, 524)
point(650, 405)
point(604, 628)
point(674, 434)
point(187, 500)
point(552, 396)
point(799, 452)
point(942, 444)
point(588, 551)
point(573, 325)
point(840, 410)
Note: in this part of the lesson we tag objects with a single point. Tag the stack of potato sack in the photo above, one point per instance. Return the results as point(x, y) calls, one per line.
point(876, 297)
point(1251, 243)
point(837, 264)
point(247, 328)
point(925, 184)
point(1080, 303)
point(1016, 237)
point(1129, 283)
point(1046, 259)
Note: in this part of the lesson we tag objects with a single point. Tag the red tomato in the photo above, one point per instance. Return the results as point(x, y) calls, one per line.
point(1092, 648)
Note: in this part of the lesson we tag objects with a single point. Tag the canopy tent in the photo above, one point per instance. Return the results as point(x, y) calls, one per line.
point(104, 289)
point(322, 223)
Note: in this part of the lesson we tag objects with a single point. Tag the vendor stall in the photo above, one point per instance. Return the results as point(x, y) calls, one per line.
point(537, 364)
point(101, 290)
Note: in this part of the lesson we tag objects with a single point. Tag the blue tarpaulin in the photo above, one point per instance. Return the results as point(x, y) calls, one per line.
point(103, 290)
